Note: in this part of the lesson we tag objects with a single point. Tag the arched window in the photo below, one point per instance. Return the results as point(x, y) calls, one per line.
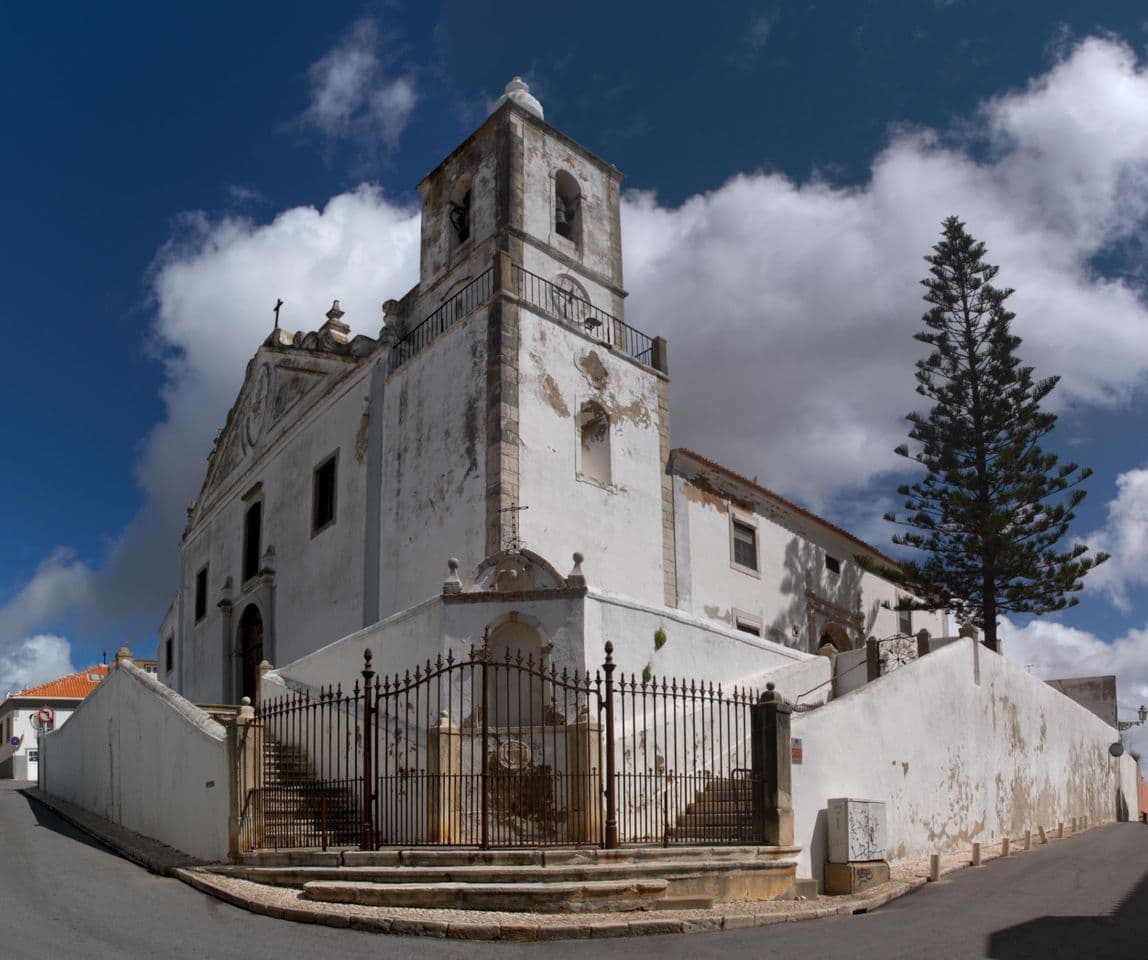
point(594, 432)
point(459, 213)
point(567, 207)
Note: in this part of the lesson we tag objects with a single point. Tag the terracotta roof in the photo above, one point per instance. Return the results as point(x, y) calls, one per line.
point(780, 500)
point(74, 686)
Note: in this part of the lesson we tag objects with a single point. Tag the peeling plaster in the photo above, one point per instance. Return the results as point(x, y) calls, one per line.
point(550, 393)
point(716, 613)
point(593, 370)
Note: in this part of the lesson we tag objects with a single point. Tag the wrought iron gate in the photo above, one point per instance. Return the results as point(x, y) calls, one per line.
point(502, 750)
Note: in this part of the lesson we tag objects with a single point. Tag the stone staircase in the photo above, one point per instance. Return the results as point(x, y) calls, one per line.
point(300, 811)
point(550, 880)
point(722, 812)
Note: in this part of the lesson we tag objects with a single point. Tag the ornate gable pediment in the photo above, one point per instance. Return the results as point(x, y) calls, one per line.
point(271, 399)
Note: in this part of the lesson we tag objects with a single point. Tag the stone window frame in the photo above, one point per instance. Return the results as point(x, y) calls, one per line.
point(573, 245)
point(250, 503)
point(461, 188)
point(748, 623)
point(742, 518)
point(199, 610)
point(579, 475)
point(331, 460)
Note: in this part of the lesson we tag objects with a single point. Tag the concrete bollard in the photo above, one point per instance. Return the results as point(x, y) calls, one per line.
point(1059, 829)
point(1072, 826)
point(1027, 841)
point(934, 867)
point(976, 854)
point(1005, 847)
point(1043, 836)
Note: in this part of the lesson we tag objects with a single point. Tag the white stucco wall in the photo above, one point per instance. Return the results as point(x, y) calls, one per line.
point(140, 755)
point(957, 759)
point(318, 585)
point(617, 527)
point(791, 561)
point(434, 466)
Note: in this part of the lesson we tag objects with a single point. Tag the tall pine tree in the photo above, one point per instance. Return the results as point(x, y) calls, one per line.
point(993, 508)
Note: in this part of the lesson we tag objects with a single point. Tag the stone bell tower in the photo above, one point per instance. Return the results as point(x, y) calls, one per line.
point(561, 408)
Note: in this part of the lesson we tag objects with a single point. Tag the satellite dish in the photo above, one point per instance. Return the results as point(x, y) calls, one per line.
point(1116, 750)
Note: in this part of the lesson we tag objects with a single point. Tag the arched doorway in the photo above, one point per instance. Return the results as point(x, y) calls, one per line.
point(516, 691)
point(250, 651)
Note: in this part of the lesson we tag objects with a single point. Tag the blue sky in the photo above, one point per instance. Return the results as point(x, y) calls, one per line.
point(174, 168)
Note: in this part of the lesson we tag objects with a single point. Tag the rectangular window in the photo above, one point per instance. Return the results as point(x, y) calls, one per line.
point(33, 756)
point(169, 654)
point(252, 535)
point(832, 564)
point(748, 625)
point(323, 494)
point(744, 545)
point(201, 594)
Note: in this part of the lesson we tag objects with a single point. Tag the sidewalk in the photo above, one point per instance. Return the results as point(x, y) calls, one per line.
point(287, 903)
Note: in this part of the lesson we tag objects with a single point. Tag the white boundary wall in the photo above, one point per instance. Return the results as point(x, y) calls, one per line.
point(964, 746)
point(140, 755)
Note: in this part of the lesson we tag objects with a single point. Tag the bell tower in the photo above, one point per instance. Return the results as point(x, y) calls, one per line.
point(520, 186)
point(517, 331)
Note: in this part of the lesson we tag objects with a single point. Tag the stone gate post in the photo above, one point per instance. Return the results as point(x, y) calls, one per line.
point(771, 757)
point(245, 746)
point(444, 781)
point(583, 749)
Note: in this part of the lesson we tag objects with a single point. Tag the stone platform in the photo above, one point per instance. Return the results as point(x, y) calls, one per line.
point(555, 880)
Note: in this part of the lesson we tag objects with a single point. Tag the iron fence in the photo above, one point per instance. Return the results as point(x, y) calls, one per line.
point(504, 750)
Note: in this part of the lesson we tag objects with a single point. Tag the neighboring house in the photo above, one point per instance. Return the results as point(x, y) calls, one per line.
point(506, 417)
point(25, 715)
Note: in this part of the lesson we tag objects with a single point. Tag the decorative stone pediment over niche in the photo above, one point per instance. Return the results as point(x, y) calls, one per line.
point(512, 571)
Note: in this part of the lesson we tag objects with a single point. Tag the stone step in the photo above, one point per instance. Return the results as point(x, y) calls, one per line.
point(593, 896)
point(705, 833)
point(431, 856)
point(713, 818)
point(298, 876)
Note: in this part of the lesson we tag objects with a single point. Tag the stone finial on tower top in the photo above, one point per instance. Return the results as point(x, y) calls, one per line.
point(518, 92)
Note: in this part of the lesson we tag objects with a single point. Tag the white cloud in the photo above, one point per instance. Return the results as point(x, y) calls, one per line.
point(1054, 651)
point(790, 307)
point(60, 585)
point(354, 97)
point(33, 660)
point(1125, 537)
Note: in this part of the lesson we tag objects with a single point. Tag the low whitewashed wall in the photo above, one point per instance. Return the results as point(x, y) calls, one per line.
point(963, 745)
point(397, 643)
point(140, 755)
point(694, 648)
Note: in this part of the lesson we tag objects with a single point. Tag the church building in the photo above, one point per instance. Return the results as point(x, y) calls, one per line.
point(498, 461)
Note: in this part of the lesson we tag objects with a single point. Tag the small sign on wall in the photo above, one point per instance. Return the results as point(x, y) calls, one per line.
point(796, 751)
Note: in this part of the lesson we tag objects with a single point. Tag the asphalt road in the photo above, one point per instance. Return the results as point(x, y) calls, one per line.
point(63, 895)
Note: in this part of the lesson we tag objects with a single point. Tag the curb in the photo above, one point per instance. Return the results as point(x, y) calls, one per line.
point(526, 930)
point(150, 854)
